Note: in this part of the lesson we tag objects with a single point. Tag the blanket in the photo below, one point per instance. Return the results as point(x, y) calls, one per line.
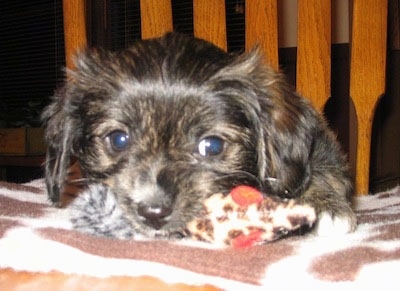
point(37, 238)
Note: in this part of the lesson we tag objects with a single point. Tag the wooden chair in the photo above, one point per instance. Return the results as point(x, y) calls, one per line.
point(368, 50)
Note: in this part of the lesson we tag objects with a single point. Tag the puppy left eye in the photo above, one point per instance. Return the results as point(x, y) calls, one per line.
point(210, 146)
point(118, 140)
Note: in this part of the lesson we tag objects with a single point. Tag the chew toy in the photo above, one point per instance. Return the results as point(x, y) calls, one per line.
point(246, 217)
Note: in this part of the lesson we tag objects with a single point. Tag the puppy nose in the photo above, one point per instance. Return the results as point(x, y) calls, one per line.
point(154, 215)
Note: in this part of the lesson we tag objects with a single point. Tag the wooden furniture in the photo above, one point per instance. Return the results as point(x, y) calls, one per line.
point(21, 147)
point(74, 29)
point(367, 76)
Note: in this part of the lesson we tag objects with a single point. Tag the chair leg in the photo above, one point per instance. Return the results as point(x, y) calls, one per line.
point(364, 134)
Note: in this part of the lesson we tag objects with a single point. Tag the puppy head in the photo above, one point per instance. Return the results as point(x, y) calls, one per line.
point(168, 122)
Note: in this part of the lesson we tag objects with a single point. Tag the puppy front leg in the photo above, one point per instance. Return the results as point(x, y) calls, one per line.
point(327, 194)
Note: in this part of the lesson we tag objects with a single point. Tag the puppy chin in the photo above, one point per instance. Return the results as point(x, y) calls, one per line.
point(96, 211)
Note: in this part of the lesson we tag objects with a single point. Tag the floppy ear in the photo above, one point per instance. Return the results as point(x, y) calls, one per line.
point(60, 130)
point(288, 130)
point(284, 123)
point(289, 126)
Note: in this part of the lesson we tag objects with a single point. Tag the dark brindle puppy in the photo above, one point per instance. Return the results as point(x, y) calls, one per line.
point(170, 121)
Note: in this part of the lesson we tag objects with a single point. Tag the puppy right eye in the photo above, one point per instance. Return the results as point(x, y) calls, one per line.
point(118, 140)
point(210, 146)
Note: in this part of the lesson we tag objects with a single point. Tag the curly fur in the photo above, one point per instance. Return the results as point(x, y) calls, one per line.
point(169, 93)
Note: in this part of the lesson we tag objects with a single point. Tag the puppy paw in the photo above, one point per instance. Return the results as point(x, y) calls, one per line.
point(329, 225)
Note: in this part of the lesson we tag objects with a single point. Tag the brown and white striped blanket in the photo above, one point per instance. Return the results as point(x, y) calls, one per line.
point(37, 238)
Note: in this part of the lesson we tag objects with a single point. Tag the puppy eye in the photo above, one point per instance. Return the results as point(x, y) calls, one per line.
point(119, 140)
point(211, 146)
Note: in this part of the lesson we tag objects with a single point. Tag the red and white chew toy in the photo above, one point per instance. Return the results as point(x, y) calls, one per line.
point(245, 217)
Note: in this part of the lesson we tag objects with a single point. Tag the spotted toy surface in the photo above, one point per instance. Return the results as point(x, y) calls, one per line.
point(245, 217)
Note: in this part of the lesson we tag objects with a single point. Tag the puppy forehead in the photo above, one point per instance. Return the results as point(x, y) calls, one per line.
point(174, 104)
point(161, 108)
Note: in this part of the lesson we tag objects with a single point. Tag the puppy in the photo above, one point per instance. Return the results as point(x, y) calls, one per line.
point(169, 121)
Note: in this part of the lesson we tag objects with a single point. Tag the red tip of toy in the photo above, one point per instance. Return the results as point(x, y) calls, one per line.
point(246, 195)
point(243, 241)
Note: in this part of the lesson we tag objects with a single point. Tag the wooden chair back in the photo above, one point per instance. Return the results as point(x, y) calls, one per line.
point(313, 68)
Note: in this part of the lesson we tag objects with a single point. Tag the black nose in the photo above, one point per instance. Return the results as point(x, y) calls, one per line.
point(154, 215)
